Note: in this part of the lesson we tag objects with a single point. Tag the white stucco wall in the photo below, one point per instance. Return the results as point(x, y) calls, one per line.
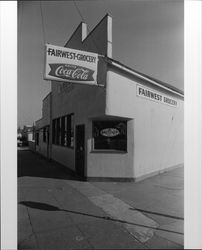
point(46, 110)
point(42, 147)
point(64, 156)
point(84, 101)
point(88, 103)
point(29, 136)
point(45, 120)
point(158, 128)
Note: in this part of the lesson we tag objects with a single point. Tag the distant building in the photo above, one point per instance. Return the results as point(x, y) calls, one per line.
point(128, 127)
point(27, 132)
point(19, 135)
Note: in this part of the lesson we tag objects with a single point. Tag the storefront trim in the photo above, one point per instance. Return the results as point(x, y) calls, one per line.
point(110, 179)
point(109, 151)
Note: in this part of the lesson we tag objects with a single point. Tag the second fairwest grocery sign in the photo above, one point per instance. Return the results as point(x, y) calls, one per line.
point(70, 65)
point(152, 95)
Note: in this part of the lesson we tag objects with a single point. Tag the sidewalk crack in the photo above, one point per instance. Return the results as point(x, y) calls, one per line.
point(34, 233)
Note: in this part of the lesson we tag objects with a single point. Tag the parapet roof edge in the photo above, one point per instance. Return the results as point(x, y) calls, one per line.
point(90, 32)
point(94, 28)
point(149, 78)
point(74, 32)
point(39, 120)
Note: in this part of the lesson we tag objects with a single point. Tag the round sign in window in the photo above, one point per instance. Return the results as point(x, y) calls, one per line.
point(109, 132)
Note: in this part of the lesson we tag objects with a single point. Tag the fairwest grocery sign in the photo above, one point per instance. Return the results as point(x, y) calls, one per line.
point(70, 65)
point(152, 95)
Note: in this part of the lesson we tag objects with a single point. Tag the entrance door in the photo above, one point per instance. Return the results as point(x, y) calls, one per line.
point(80, 150)
point(47, 140)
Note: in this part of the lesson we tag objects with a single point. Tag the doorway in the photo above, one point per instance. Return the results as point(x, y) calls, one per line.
point(80, 150)
point(47, 138)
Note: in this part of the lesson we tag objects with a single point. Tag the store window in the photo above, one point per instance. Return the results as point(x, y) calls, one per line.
point(44, 134)
point(110, 135)
point(37, 138)
point(33, 133)
point(72, 130)
point(58, 131)
point(63, 131)
point(54, 131)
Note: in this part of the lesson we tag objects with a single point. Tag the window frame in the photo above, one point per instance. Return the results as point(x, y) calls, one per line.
point(63, 131)
point(37, 138)
point(44, 135)
point(110, 150)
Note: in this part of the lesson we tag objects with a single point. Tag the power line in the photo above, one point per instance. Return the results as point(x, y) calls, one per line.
point(42, 20)
point(101, 57)
point(20, 20)
point(82, 18)
point(79, 11)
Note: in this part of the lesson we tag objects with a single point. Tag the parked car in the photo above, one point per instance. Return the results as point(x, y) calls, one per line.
point(19, 143)
point(22, 141)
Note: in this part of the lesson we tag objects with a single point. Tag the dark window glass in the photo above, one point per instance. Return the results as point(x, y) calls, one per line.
point(44, 134)
point(63, 131)
point(47, 133)
point(33, 133)
point(110, 135)
point(58, 131)
point(37, 138)
point(54, 132)
point(68, 130)
point(72, 131)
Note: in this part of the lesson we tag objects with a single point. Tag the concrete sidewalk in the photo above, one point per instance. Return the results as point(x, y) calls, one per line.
point(57, 211)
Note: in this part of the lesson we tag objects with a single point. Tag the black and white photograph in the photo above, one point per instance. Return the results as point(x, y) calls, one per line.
point(100, 125)
point(100, 113)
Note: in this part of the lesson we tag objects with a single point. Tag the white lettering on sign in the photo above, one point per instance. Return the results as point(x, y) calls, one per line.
point(155, 96)
point(109, 132)
point(77, 73)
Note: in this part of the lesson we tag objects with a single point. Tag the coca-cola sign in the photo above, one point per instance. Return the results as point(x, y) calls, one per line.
point(66, 64)
point(71, 72)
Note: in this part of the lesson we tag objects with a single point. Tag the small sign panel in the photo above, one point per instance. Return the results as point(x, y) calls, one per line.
point(70, 65)
point(109, 132)
point(155, 96)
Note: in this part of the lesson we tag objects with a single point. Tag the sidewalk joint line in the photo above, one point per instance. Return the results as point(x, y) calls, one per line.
point(105, 218)
point(72, 220)
point(156, 213)
point(32, 228)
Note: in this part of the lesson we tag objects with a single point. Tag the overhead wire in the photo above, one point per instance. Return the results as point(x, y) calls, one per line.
point(81, 16)
point(42, 20)
point(101, 57)
point(79, 11)
point(20, 20)
point(83, 20)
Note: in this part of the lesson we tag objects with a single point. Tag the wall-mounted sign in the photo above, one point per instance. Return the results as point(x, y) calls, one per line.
point(155, 96)
point(70, 65)
point(109, 132)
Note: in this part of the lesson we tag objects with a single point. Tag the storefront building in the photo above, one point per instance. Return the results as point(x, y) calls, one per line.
point(127, 127)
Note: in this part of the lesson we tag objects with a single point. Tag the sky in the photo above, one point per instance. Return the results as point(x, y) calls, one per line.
point(147, 36)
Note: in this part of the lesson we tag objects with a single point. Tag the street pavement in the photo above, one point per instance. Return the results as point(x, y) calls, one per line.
point(58, 211)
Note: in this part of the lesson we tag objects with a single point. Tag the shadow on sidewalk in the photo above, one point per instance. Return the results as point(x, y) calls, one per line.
point(47, 207)
point(33, 165)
